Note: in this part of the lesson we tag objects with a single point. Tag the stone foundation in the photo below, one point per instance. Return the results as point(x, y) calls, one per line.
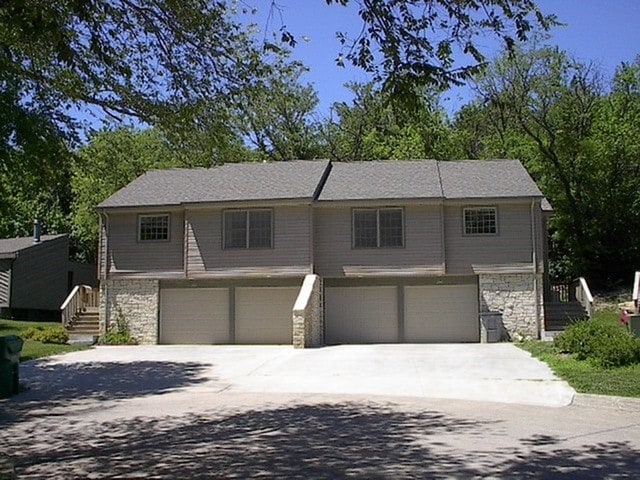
point(136, 301)
point(308, 315)
point(513, 296)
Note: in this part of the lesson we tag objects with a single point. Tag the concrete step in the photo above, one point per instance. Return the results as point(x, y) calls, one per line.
point(82, 339)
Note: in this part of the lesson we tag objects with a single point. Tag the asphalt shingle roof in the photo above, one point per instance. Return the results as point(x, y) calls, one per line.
point(297, 179)
point(486, 179)
point(301, 179)
point(382, 180)
point(13, 245)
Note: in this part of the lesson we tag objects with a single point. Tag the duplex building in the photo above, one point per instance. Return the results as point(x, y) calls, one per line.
point(393, 251)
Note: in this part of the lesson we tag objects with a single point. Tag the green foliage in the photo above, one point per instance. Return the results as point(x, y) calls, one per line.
point(606, 344)
point(578, 141)
point(30, 333)
point(274, 116)
point(118, 332)
point(374, 127)
point(587, 377)
point(410, 44)
point(56, 334)
point(32, 349)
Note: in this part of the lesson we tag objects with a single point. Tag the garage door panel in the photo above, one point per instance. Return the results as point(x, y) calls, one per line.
point(264, 314)
point(441, 313)
point(361, 314)
point(194, 316)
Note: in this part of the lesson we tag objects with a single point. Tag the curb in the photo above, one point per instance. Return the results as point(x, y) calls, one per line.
point(606, 401)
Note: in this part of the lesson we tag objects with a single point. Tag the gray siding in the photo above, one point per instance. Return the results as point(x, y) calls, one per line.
point(512, 244)
point(127, 255)
point(290, 253)
point(39, 279)
point(5, 282)
point(333, 242)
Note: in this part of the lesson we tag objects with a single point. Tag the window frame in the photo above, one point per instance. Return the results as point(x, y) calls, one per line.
point(142, 216)
point(494, 209)
point(377, 210)
point(247, 228)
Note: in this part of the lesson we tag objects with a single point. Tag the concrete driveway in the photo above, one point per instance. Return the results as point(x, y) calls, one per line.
point(480, 372)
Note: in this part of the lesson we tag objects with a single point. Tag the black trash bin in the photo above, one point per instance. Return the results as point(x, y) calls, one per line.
point(10, 348)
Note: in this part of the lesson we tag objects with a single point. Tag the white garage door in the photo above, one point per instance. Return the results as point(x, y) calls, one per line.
point(361, 314)
point(265, 314)
point(441, 313)
point(194, 315)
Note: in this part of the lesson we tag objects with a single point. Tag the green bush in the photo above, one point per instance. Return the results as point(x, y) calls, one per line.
point(118, 333)
point(30, 333)
point(55, 334)
point(605, 344)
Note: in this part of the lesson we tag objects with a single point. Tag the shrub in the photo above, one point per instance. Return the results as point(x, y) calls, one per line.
point(605, 344)
point(55, 334)
point(118, 333)
point(30, 333)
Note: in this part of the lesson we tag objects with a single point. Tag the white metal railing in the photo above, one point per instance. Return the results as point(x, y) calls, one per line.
point(636, 291)
point(80, 298)
point(583, 295)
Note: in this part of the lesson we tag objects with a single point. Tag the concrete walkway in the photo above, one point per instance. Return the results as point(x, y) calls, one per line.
point(489, 373)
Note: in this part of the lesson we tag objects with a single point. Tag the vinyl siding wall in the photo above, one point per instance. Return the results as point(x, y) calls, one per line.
point(333, 241)
point(127, 254)
point(512, 244)
point(290, 251)
point(39, 279)
point(5, 282)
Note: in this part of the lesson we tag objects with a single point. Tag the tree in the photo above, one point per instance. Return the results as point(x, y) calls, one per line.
point(110, 160)
point(410, 44)
point(374, 128)
point(275, 116)
point(555, 114)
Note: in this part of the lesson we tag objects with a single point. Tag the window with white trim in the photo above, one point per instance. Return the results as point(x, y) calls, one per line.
point(153, 228)
point(378, 228)
point(480, 221)
point(248, 228)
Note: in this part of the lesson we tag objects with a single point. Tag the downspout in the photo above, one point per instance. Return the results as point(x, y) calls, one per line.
point(185, 243)
point(534, 258)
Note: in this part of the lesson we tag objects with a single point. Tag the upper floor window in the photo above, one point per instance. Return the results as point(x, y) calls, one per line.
point(248, 229)
point(153, 227)
point(480, 221)
point(378, 227)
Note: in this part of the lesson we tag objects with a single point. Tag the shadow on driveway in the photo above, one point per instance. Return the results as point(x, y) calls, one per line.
point(48, 385)
point(322, 441)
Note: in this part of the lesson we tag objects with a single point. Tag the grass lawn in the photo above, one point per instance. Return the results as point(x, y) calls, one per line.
point(584, 376)
point(32, 349)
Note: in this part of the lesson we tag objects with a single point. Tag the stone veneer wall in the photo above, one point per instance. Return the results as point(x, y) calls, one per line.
point(138, 302)
point(514, 296)
point(308, 316)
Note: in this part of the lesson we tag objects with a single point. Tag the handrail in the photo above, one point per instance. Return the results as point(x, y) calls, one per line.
point(583, 295)
point(81, 297)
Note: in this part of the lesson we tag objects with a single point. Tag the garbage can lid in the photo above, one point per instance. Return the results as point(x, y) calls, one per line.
point(11, 344)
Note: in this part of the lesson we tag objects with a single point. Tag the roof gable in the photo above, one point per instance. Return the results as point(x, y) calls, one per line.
point(486, 179)
point(380, 180)
point(297, 179)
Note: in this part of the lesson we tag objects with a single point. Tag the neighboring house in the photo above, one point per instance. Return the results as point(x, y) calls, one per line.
point(403, 251)
point(36, 276)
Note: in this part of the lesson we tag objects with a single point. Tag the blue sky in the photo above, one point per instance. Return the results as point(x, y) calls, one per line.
point(605, 32)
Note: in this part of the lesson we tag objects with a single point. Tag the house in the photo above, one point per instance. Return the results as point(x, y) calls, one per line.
point(383, 251)
point(36, 275)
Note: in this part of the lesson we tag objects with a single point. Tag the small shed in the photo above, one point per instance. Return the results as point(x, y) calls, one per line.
point(36, 275)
